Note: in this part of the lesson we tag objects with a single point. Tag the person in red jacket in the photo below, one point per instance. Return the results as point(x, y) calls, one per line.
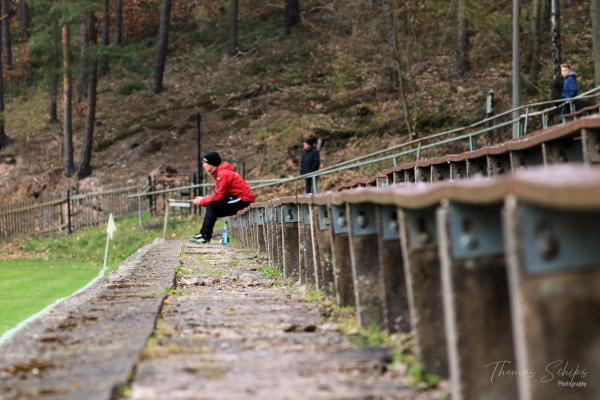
point(232, 193)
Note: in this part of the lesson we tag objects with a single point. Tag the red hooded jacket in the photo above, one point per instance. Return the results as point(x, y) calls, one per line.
point(229, 183)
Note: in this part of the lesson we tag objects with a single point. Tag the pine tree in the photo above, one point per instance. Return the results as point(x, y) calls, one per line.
point(162, 47)
point(85, 162)
point(233, 28)
point(4, 139)
point(118, 33)
point(291, 15)
point(6, 35)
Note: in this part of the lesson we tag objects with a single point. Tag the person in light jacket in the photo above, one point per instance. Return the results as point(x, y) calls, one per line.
point(569, 87)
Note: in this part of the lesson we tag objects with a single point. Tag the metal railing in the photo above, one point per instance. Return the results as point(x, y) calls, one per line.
point(493, 125)
point(65, 212)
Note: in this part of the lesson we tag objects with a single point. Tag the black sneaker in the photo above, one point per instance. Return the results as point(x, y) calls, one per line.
point(198, 239)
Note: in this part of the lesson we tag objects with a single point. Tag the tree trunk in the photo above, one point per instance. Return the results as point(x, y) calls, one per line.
point(393, 55)
point(83, 67)
point(233, 28)
point(291, 15)
point(6, 39)
point(163, 46)
point(393, 58)
point(462, 63)
point(532, 63)
point(53, 100)
point(4, 139)
point(24, 18)
point(118, 33)
point(85, 163)
point(595, 13)
point(556, 50)
point(67, 102)
point(103, 70)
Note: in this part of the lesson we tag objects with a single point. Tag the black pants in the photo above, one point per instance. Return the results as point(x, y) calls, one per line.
point(309, 185)
point(217, 209)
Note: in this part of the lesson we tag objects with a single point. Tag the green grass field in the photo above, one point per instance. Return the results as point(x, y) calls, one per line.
point(35, 272)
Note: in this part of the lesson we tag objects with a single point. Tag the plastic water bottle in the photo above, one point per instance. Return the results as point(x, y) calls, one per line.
point(225, 239)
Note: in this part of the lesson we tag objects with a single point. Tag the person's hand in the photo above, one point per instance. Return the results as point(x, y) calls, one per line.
point(197, 200)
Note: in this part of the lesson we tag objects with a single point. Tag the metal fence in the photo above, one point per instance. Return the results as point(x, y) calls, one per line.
point(65, 212)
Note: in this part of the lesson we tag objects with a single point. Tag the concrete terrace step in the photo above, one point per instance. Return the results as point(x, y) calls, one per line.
point(232, 333)
point(88, 345)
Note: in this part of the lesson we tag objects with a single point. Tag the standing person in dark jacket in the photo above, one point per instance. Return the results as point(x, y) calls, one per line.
point(569, 87)
point(232, 193)
point(310, 161)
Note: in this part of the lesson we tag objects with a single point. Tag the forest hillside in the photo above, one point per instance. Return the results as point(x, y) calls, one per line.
point(327, 75)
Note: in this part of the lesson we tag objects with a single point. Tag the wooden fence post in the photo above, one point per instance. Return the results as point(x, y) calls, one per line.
point(70, 227)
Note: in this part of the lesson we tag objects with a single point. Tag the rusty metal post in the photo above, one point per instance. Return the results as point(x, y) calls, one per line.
point(554, 276)
point(364, 258)
point(419, 239)
point(289, 228)
point(341, 262)
point(306, 251)
point(259, 215)
point(476, 300)
point(278, 239)
point(591, 146)
point(393, 273)
point(325, 252)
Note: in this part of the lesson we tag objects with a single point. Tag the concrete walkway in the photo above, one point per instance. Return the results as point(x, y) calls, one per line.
point(231, 333)
point(88, 346)
point(204, 323)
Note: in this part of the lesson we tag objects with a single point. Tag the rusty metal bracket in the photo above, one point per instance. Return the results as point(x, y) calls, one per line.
point(289, 213)
point(338, 217)
point(363, 219)
point(269, 217)
point(389, 222)
point(323, 218)
point(259, 216)
point(556, 240)
point(421, 228)
point(475, 230)
point(305, 214)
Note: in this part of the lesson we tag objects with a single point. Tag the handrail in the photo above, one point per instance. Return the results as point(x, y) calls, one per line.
point(356, 162)
point(197, 186)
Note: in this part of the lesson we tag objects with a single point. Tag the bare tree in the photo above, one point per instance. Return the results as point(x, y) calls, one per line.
point(556, 49)
point(291, 15)
point(395, 78)
point(85, 162)
point(24, 18)
point(118, 32)
point(462, 62)
point(233, 28)
point(595, 13)
point(162, 48)
point(83, 66)
point(6, 36)
point(103, 70)
point(532, 58)
point(67, 102)
point(4, 139)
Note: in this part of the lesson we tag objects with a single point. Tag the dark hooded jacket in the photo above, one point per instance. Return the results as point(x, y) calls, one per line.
point(229, 183)
point(310, 161)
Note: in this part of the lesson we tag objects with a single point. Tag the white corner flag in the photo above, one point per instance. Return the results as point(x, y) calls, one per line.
point(111, 228)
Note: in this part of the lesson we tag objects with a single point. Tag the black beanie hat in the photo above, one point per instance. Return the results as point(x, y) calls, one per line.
point(311, 140)
point(213, 158)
